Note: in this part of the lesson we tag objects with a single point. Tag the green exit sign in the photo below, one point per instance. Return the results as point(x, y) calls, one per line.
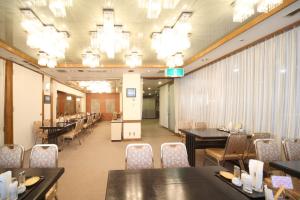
point(174, 72)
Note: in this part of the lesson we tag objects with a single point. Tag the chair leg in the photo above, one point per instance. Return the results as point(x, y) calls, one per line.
point(55, 197)
point(241, 163)
point(79, 140)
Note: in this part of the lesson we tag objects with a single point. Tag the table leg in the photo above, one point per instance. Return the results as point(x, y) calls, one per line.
point(190, 145)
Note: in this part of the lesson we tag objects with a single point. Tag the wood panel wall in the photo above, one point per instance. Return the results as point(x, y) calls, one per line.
point(8, 103)
point(107, 116)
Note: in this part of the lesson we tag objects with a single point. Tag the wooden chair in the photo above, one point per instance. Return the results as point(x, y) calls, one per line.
point(139, 156)
point(250, 153)
point(73, 134)
point(291, 149)
point(173, 154)
point(39, 133)
point(184, 125)
point(267, 150)
point(200, 125)
point(11, 156)
point(234, 150)
point(45, 156)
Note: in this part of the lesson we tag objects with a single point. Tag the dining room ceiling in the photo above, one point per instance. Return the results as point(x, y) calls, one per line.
point(211, 20)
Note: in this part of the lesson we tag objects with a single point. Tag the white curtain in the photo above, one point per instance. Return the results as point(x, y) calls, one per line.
point(2, 88)
point(164, 106)
point(259, 87)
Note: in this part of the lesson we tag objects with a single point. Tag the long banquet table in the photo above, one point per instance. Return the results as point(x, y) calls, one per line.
point(202, 139)
point(290, 167)
point(38, 191)
point(54, 131)
point(169, 184)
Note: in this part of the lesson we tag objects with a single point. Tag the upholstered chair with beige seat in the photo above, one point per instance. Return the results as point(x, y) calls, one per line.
point(235, 147)
point(267, 150)
point(139, 156)
point(45, 156)
point(11, 156)
point(73, 134)
point(250, 153)
point(200, 125)
point(291, 149)
point(39, 133)
point(174, 155)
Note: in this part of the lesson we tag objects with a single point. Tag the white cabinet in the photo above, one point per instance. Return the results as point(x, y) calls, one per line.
point(131, 130)
point(116, 130)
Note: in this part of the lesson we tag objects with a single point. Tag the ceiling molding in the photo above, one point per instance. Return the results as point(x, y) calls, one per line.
point(77, 65)
point(280, 31)
point(18, 53)
point(238, 31)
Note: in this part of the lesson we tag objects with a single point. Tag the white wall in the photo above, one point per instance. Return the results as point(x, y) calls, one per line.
point(63, 88)
point(27, 102)
point(132, 106)
point(164, 106)
point(2, 88)
point(47, 107)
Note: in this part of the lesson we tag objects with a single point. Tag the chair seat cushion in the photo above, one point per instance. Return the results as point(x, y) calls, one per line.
point(218, 154)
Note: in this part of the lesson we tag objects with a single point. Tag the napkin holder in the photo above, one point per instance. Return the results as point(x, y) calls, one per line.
point(256, 168)
point(5, 181)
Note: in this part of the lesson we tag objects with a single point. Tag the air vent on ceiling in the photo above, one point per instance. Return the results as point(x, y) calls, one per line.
point(80, 70)
point(96, 70)
point(131, 70)
point(293, 12)
point(61, 70)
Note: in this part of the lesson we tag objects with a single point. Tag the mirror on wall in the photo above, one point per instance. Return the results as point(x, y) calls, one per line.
point(67, 104)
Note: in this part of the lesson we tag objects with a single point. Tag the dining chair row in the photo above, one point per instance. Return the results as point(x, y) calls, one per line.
point(41, 156)
point(239, 147)
point(140, 156)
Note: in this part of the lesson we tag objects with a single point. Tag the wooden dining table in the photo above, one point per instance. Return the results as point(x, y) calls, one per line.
point(290, 167)
point(169, 184)
point(49, 176)
point(202, 139)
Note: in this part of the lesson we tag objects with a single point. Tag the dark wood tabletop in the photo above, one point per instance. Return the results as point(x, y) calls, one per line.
point(51, 175)
point(164, 184)
point(210, 133)
point(290, 167)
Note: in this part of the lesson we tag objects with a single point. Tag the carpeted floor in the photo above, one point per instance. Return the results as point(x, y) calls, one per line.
point(87, 165)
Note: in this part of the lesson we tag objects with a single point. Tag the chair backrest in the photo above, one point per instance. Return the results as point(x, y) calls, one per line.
point(255, 136)
point(36, 127)
point(139, 156)
point(47, 122)
point(200, 125)
point(174, 155)
point(11, 156)
point(291, 149)
point(267, 150)
point(44, 156)
point(236, 144)
point(186, 125)
point(237, 126)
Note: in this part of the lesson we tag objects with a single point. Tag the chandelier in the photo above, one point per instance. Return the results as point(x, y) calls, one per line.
point(175, 60)
point(57, 7)
point(133, 59)
point(163, 42)
point(91, 59)
point(109, 38)
point(50, 42)
point(243, 9)
point(96, 86)
point(154, 7)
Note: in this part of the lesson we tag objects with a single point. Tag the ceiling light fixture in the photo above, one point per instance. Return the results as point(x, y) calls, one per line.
point(50, 42)
point(159, 82)
point(243, 9)
point(109, 38)
point(133, 59)
point(91, 59)
point(164, 45)
point(154, 7)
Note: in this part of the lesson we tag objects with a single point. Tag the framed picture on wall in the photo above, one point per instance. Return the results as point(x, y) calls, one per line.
point(47, 99)
point(130, 92)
